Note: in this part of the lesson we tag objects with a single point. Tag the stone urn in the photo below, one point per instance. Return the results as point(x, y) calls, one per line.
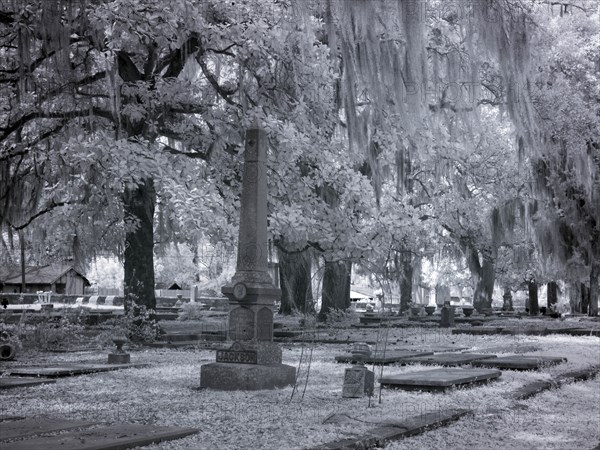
point(415, 310)
point(119, 356)
point(430, 309)
point(468, 310)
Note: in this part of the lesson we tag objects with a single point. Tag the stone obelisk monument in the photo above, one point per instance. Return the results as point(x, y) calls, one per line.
point(253, 360)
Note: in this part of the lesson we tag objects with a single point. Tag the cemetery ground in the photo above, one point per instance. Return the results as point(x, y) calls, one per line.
point(164, 391)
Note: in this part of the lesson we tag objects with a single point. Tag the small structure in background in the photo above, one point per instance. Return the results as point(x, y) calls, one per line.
point(57, 278)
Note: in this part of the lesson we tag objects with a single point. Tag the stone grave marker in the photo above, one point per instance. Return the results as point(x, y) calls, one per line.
point(15, 382)
point(520, 362)
point(106, 437)
point(439, 379)
point(390, 430)
point(447, 319)
point(253, 360)
point(390, 357)
point(66, 370)
point(33, 426)
point(449, 359)
point(358, 381)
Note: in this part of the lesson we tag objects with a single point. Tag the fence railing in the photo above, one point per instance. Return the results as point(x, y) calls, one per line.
point(169, 293)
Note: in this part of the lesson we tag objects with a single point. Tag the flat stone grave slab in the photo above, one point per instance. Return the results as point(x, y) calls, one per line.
point(390, 357)
point(39, 425)
point(448, 359)
point(477, 331)
point(526, 348)
point(110, 437)
point(317, 340)
point(388, 430)
point(521, 362)
point(439, 379)
point(15, 382)
point(438, 348)
point(574, 331)
point(68, 370)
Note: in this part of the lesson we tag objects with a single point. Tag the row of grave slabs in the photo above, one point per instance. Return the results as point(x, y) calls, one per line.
point(485, 367)
point(47, 433)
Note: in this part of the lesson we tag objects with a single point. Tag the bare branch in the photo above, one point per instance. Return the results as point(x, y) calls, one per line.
point(50, 207)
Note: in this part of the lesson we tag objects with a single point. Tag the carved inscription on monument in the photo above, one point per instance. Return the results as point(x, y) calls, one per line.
point(241, 324)
point(241, 357)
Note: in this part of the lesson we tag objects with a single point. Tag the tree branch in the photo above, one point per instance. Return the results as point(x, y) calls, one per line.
point(53, 115)
point(223, 93)
point(46, 210)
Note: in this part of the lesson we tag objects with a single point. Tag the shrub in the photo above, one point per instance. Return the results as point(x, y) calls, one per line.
point(50, 332)
point(191, 311)
point(138, 324)
point(340, 318)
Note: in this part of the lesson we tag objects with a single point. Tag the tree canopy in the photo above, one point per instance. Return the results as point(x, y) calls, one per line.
point(399, 132)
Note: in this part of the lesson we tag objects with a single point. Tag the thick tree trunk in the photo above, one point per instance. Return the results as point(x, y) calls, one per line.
point(507, 300)
point(139, 245)
point(406, 281)
point(295, 281)
point(552, 295)
point(22, 247)
point(336, 287)
point(575, 297)
point(482, 298)
point(534, 307)
point(585, 298)
point(594, 288)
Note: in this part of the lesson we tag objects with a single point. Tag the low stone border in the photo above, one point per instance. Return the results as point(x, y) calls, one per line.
point(534, 388)
point(387, 432)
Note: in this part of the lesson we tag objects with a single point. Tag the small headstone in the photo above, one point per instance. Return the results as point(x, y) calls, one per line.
point(358, 381)
point(447, 319)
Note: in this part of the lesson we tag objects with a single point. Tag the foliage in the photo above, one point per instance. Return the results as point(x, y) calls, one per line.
point(138, 324)
point(339, 318)
point(191, 311)
point(50, 332)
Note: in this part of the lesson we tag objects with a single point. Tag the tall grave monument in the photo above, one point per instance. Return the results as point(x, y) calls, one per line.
point(253, 360)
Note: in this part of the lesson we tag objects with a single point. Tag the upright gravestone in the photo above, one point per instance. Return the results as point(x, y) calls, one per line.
point(253, 361)
point(447, 319)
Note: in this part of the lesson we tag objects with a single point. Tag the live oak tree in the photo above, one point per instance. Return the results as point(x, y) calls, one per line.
point(146, 86)
point(567, 168)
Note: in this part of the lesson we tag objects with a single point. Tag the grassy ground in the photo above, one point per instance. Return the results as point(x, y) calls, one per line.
point(165, 394)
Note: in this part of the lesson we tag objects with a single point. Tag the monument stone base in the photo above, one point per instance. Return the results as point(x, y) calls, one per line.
point(246, 377)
